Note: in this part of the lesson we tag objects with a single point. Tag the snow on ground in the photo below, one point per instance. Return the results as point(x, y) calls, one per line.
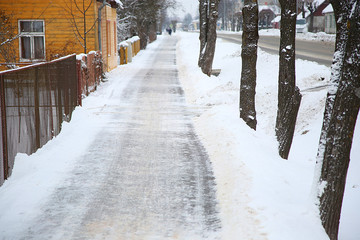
point(36, 176)
point(262, 196)
point(308, 36)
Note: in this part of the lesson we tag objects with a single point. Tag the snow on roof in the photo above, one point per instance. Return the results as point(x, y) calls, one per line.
point(328, 9)
point(276, 19)
point(275, 9)
point(119, 3)
point(300, 15)
point(318, 2)
point(113, 3)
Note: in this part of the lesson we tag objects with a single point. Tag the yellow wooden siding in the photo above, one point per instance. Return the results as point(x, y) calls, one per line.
point(108, 37)
point(60, 38)
point(59, 31)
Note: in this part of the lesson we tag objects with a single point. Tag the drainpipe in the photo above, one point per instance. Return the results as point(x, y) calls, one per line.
point(99, 22)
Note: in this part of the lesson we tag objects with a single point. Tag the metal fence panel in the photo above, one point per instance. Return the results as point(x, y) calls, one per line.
point(2, 167)
point(37, 100)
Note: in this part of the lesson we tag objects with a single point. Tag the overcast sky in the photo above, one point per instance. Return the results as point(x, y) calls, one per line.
point(187, 6)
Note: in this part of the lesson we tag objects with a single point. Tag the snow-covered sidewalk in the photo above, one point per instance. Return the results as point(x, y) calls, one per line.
point(261, 196)
point(144, 173)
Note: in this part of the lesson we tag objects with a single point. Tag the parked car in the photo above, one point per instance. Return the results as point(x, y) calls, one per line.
point(301, 25)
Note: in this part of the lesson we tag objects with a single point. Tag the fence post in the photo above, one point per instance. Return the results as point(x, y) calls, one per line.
point(48, 84)
point(59, 98)
point(37, 109)
point(4, 128)
point(79, 93)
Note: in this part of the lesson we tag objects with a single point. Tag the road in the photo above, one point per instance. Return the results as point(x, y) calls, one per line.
point(320, 52)
point(146, 176)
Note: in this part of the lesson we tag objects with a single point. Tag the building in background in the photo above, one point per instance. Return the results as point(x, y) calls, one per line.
point(267, 13)
point(330, 24)
point(50, 29)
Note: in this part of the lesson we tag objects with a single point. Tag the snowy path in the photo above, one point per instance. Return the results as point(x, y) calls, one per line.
point(146, 175)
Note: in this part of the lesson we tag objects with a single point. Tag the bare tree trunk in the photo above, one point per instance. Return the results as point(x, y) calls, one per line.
point(250, 39)
point(311, 23)
point(143, 32)
point(210, 37)
point(203, 9)
point(289, 96)
point(311, 7)
point(340, 116)
point(208, 18)
point(338, 61)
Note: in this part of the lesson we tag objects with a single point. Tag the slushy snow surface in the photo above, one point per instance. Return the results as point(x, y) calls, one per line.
point(261, 196)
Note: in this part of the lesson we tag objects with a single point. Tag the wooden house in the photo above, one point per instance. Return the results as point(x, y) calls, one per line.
point(49, 29)
point(318, 16)
point(266, 14)
point(330, 24)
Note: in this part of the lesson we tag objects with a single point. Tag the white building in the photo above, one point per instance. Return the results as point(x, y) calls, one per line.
point(330, 24)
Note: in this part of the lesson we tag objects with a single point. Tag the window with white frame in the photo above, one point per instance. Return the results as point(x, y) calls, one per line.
point(32, 40)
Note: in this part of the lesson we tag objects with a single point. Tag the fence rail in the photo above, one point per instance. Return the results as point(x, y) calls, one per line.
point(35, 100)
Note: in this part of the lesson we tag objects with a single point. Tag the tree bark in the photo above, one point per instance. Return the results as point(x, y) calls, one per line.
point(340, 115)
point(338, 61)
point(209, 52)
point(250, 39)
point(311, 23)
point(208, 10)
point(289, 96)
point(311, 6)
point(203, 9)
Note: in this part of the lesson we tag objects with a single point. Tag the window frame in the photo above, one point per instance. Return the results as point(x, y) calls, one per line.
point(32, 36)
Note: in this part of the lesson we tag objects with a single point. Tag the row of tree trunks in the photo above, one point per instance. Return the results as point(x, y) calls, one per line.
point(250, 39)
point(208, 18)
point(146, 32)
point(289, 96)
point(342, 107)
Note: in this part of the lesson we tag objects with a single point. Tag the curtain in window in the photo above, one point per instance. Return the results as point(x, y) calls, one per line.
point(25, 48)
point(39, 47)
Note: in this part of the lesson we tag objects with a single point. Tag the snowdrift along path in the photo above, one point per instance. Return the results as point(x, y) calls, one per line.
point(87, 180)
point(145, 175)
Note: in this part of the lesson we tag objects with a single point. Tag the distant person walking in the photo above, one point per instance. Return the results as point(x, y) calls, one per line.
point(169, 30)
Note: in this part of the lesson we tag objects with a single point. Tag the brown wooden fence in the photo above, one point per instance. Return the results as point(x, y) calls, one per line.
point(89, 72)
point(35, 100)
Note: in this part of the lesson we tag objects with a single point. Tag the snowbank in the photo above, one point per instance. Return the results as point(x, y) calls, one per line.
point(308, 36)
point(261, 195)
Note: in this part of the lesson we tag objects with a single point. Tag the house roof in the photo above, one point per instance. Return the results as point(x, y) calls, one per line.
point(113, 3)
point(320, 7)
point(275, 9)
point(276, 19)
point(328, 9)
